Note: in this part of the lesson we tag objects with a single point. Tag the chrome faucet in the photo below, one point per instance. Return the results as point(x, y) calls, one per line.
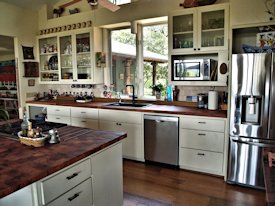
point(133, 98)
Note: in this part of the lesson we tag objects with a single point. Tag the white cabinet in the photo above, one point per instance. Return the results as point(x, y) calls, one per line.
point(25, 196)
point(84, 117)
point(80, 195)
point(55, 185)
point(202, 143)
point(69, 57)
point(48, 59)
point(129, 122)
point(59, 114)
point(108, 177)
point(199, 29)
point(96, 180)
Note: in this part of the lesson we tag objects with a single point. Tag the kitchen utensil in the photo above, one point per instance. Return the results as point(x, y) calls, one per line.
point(54, 136)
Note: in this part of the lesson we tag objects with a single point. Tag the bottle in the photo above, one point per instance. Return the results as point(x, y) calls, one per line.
point(24, 126)
point(169, 93)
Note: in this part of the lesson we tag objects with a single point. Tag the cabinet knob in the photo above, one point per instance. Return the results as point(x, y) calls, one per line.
point(199, 48)
point(195, 49)
point(201, 154)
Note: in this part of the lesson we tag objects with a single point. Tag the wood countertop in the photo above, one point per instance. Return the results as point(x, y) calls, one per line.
point(21, 165)
point(153, 108)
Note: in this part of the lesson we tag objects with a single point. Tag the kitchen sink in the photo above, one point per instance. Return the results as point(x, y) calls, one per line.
point(127, 104)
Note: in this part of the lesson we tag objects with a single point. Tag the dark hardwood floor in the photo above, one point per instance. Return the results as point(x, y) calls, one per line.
point(184, 188)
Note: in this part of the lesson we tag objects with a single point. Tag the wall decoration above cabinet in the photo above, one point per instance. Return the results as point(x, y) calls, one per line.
point(199, 29)
point(69, 58)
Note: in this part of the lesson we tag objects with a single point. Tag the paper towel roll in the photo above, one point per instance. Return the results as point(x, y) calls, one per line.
point(212, 100)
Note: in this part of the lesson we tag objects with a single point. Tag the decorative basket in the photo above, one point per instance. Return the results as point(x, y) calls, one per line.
point(36, 142)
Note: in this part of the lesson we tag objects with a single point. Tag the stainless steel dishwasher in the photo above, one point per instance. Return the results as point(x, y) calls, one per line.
point(161, 139)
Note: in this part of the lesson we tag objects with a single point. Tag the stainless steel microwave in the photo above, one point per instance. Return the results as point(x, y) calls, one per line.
point(194, 69)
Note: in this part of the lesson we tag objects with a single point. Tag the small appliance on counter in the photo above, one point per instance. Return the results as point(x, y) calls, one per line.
point(202, 100)
point(213, 100)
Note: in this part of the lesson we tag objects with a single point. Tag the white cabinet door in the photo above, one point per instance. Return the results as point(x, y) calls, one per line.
point(195, 139)
point(63, 181)
point(107, 177)
point(199, 29)
point(81, 195)
point(24, 196)
point(84, 117)
point(133, 145)
point(199, 160)
point(86, 123)
point(202, 123)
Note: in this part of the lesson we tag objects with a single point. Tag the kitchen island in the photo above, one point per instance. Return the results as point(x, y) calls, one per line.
point(96, 157)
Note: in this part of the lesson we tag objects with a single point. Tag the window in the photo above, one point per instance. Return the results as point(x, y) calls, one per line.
point(155, 59)
point(123, 45)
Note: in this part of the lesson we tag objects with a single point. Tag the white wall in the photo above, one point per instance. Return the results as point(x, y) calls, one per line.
point(23, 25)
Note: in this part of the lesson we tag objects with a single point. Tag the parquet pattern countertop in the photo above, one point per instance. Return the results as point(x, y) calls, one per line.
point(153, 108)
point(21, 165)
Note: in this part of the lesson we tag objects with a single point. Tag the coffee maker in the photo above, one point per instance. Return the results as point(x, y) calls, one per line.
point(202, 100)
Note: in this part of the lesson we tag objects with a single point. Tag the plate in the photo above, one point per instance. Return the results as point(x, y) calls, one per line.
point(53, 63)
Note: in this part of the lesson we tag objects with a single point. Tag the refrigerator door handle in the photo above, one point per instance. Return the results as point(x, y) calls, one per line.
point(259, 143)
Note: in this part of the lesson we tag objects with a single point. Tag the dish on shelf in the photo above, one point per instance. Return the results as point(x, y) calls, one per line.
point(255, 49)
point(53, 63)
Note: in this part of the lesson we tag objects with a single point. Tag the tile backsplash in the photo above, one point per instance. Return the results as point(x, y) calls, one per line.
point(194, 91)
point(98, 90)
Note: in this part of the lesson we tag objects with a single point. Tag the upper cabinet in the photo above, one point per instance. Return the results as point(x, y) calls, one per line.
point(69, 57)
point(199, 29)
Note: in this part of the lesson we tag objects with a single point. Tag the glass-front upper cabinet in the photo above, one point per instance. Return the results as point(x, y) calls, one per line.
point(83, 56)
point(183, 31)
point(48, 59)
point(66, 57)
point(199, 29)
point(69, 57)
point(76, 57)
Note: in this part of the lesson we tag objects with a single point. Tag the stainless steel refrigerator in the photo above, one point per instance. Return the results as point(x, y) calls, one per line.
point(252, 117)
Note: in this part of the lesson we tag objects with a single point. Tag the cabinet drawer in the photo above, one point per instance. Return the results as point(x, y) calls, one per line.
point(207, 124)
point(80, 195)
point(85, 113)
point(63, 181)
point(210, 162)
point(203, 140)
point(120, 116)
point(87, 123)
point(59, 111)
point(59, 119)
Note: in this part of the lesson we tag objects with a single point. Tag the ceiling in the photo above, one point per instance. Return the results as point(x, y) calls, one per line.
point(30, 4)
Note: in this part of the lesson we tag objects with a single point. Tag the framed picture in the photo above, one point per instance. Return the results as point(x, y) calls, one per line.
point(31, 82)
point(31, 69)
point(28, 52)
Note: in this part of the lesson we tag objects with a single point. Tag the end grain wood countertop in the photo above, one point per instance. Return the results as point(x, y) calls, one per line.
point(22, 165)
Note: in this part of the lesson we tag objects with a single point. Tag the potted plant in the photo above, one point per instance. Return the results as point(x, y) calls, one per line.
point(158, 88)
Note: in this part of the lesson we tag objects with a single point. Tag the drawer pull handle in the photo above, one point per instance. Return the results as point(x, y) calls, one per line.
point(74, 196)
point(201, 134)
point(57, 110)
point(83, 112)
point(57, 118)
point(83, 121)
point(201, 154)
point(119, 124)
point(202, 122)
point(72, 176)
